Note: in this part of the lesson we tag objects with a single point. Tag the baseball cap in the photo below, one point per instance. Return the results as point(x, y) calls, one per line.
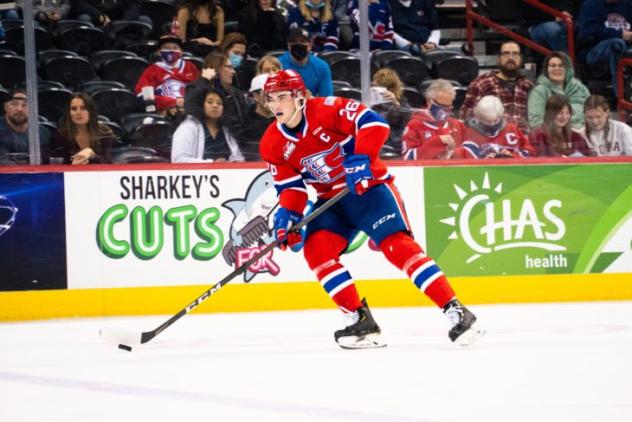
point(169, 39)
point(298, 34)
point(258, 82)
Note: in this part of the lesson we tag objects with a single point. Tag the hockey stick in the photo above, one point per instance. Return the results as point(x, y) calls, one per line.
point(124, 338)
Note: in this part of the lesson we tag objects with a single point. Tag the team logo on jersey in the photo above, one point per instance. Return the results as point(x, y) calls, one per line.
point(507, 224)
point(288, 149)
point(326, 166)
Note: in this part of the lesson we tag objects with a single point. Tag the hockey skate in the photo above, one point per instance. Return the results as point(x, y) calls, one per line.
point(463, 327)
point(362, 332)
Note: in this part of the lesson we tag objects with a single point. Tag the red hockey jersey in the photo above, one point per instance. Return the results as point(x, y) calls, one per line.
point(421, 137)
point(168, 81)
point(477, 145)
point(313, 152)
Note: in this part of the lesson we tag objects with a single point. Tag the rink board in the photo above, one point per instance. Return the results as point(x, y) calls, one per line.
point(121, 240)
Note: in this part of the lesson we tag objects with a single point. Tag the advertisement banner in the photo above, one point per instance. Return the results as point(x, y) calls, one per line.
point(184, 227)
point(32, 231)
point(559, 219)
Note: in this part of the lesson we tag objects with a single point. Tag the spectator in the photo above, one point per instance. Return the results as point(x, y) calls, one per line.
point(604, 135)
point(201, 25)
point(317, 18)
point(545, 30)
point(269, 65)
point(14, 138)
point(264, 25)
point(202, 137)
point(81, 138)
point(315, 71)
point(490, 136)
point(168, 77)
point(85, 10)
point(416, 25)
point(604, 32)
point(558, 77)
point(219, 71)
point(380, 24)
point(345, 33)
point(431, 132)
point(556, 137)
point(392, 104)
point(507, 83)
point(47, 12)
point(258, 119)
point(234, 45)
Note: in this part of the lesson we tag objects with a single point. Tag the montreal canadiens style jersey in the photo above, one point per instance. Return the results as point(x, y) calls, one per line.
point(168, 81)
point(422, 136)
point(313, 153)
point(476, 145)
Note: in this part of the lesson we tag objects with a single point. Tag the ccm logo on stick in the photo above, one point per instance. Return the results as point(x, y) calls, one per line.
point(383, 220)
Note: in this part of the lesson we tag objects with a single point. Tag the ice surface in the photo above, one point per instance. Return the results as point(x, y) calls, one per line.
point(549, 362)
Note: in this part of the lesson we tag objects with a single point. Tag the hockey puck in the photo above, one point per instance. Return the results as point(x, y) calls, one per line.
point(125, 347)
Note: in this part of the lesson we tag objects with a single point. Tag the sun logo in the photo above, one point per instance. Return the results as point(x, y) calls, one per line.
point(505, 225)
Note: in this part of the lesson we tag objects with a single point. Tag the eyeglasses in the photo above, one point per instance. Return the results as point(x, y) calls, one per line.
point(510, 53)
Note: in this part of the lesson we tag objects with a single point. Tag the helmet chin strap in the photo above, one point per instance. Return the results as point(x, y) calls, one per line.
point(299, 103)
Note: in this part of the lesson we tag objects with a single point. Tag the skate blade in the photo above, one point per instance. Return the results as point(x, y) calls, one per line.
point(370, 341)
point(470, 336)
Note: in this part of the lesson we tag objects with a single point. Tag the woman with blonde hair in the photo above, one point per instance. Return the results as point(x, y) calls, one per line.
point(387, 92)
point(604, 135)
point(268, 64)
point(81, 138)
point(318, 19)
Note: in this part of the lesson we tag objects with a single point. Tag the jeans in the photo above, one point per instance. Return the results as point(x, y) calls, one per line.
point(610, 50)
point(550, 34)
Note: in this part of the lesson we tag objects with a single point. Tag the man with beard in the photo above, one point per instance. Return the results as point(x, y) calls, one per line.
point(14, 139)
point(314, 71)
point(507, 83)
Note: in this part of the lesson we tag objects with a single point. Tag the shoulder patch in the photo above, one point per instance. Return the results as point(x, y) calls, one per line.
point(330, 101)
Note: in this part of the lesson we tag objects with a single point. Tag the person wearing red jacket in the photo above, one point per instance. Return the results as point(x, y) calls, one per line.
point(431, 132)
point(489, 136)
point(168, 77)
point(331, 143)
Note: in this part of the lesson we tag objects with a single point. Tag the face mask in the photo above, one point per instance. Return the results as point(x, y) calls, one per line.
point(170, 56)
point(298, 51)
point(235, 59)
point(491, 130)
point(314, 5)
point(439, 113)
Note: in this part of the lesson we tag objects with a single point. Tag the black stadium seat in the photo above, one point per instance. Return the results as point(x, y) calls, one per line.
point(45, 55)
point(69, 70)
point(116, 103)
point(331, 56)
point(12, 70)
point(340, 84)
point(411, 70)
point(123, 32)
point(131, 121)
point(347, 69)
point(352, 93)
point(128, 155)
point(461, 69)
point(83, 39)
point(379, 57)
point(432, 57)
point(14, 39)
point(4, 96)
point(64, 24)
point(53, 103)
point(99, 57)
point(92, 86)
point(126, 70)
point(415, 99)
point(143, 48)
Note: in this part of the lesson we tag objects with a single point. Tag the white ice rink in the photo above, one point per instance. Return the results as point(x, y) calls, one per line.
point(550, 362)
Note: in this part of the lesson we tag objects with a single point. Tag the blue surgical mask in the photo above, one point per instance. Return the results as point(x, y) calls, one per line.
point(315, 5)
point(491, 130)
point(439, 113)
point(170, 56)
point(235, 59)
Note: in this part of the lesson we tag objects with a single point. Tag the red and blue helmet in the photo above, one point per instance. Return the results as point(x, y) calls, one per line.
point(285, 80)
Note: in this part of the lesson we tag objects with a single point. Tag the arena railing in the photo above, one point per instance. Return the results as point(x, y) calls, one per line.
point(471, 16)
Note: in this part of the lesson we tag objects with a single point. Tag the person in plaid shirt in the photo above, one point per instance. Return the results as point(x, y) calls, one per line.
point(507, 83)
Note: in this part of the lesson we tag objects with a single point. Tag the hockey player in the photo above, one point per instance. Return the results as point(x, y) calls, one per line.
point(431, 132)
point(489, 136)
point(330, 142)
